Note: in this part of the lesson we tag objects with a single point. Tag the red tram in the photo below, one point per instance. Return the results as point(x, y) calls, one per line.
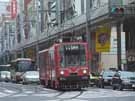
point(64, 66)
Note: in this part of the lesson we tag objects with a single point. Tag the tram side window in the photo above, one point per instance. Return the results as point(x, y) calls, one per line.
point(51, 58)
point(82, 55)
point(42, 62)
point(62, 57)
point(45, 60)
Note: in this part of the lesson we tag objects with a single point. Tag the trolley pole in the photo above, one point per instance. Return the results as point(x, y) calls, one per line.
point(119, 44)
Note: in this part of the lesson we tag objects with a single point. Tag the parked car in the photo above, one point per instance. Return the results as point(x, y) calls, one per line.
point(5, 76)
point(105, 78)
point(123, 80)
point(30, 77)
point(93, 79)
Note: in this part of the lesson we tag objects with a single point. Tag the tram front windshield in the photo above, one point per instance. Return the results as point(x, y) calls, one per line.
point(23, 66)
point(72, 55)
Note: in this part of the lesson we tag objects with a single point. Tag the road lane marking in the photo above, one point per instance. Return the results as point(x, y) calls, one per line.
point(105, 93)
point(29, 92)
point(52, 100)
point(67, 95)
point(46, 95)
point(20, 95)
point(3, 94)
point(9, 91)
point(76, 100)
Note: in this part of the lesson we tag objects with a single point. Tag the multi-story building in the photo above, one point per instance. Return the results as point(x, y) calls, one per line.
point(8, 38)
point(47, 20)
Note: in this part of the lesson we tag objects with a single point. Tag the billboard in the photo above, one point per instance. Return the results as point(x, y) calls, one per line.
point(103, 39)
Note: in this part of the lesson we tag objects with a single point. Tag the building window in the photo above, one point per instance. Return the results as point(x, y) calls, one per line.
point(82, 6)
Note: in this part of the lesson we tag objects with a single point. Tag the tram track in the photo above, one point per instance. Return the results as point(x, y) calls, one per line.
point(24, 89)
point(61, 93)
point(80, 93)
point(68, 98)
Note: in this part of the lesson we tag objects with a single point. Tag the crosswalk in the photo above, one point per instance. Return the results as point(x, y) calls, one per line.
point(57, 95)
point(66, 95)
point(26, 93)
point(101, 93)
point(6, 92)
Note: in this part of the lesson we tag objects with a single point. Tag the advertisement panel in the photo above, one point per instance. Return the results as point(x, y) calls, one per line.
point(103, 39)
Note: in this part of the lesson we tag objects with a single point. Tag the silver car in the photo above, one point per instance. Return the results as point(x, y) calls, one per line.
point(5, 76)
point(30, 77)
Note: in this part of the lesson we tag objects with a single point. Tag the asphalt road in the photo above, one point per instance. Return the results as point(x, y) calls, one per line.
point(19, 92)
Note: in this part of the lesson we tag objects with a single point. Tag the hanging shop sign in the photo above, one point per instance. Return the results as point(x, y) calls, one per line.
point(103, 39)
point(13, 9)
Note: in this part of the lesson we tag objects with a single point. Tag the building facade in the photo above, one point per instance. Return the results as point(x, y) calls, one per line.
point(44, 21)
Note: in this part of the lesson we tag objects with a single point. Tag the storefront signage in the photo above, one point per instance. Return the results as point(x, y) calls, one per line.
point(13, 9)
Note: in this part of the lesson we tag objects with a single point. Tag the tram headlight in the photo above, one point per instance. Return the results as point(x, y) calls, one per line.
point(84, 71)
point(62, 72)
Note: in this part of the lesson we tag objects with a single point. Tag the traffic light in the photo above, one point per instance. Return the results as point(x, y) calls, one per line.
point(117, 10)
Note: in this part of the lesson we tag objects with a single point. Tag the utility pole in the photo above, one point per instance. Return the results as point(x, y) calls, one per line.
point(119, 44)
point(37, 32)
point(58, 13)
point(88, 31)
point(42, 15)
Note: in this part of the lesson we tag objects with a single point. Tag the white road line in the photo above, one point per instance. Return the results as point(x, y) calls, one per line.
point(9, 91)
point(36, 95)
point(6, 92)
point(29, 92)
point(50, 90)
point(47, 95)
point(19, 95)
point(76, 100)
point(106, 93)
point(3, 95)
point(68, 95)
point(51, 100)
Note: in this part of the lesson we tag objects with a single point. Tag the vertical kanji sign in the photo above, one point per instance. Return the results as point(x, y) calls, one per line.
point(13, 8)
